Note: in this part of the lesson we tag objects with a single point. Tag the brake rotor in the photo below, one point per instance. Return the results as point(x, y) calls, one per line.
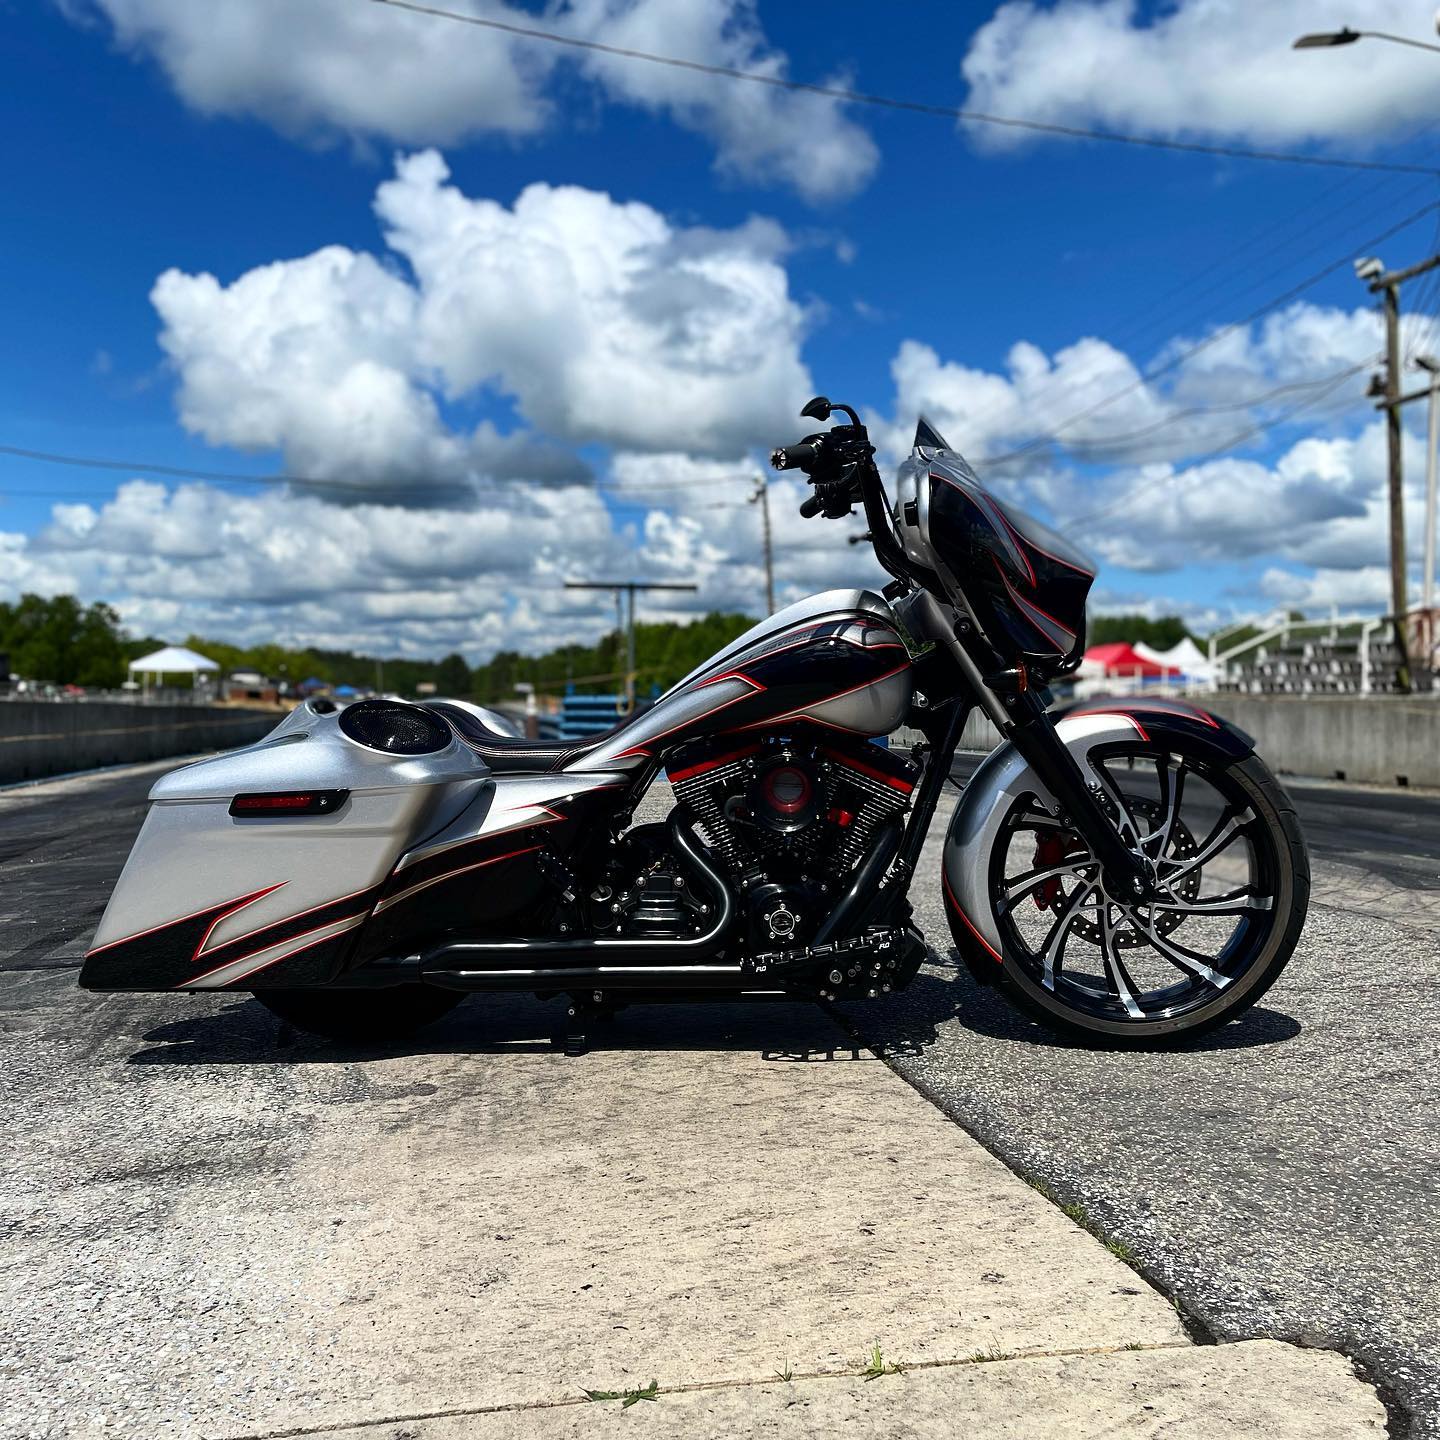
point(1054, 896)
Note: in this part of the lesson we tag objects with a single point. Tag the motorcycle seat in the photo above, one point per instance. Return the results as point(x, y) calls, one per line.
point(510, 753)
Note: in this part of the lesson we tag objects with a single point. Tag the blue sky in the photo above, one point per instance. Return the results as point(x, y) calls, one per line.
point(696, 256)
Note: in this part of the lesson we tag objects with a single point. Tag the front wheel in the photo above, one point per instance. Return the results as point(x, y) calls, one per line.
point(360, 1015)
point(1232, 886)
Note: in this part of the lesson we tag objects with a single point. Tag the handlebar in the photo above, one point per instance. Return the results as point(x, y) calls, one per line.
point(840, 464)
point(796, 457)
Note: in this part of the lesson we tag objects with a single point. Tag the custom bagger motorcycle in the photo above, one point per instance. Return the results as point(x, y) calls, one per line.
point(1127, 872)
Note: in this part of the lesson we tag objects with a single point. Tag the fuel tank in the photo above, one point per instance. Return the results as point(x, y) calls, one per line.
point(835, 661)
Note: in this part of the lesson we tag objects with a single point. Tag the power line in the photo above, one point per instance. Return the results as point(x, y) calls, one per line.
point(140, 468)
point(1191, 471)
point(1194, 309)
point(1149, 319)
point(1179, 357)
point(916, 107)
point(1113, 441)
point(1122, 339)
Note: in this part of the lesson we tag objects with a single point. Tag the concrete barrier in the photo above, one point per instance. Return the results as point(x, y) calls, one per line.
point(39, 738)
point(1380, 739)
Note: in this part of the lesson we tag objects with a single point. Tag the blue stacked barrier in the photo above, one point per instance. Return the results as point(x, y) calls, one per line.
point(582, 715)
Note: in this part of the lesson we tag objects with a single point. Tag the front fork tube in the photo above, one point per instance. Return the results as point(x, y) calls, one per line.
point(941, 728)
point(1033, 734)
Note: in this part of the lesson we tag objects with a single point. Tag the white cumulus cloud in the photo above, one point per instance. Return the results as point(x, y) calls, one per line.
point(1103, 405)
point(372, 72)
point(600, 321)
point(1194, 68)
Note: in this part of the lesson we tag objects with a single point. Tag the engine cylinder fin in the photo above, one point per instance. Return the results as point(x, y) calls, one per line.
point(853, 795)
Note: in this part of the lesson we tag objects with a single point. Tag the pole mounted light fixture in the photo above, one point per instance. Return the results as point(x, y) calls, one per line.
point(1328, 39)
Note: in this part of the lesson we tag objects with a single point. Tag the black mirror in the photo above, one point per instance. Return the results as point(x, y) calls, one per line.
point(817, 409)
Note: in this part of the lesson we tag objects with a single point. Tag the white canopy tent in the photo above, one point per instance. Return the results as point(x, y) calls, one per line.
point(1186, 657)
point(172, 660)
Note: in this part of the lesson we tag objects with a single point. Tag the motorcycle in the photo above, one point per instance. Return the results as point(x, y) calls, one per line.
point(1125, 871)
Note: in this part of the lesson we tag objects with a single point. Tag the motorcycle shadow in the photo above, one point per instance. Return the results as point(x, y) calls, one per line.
point(945, 993)
point(242, 1032)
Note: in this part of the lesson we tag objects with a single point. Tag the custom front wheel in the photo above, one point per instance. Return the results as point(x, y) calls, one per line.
point(1232, 885)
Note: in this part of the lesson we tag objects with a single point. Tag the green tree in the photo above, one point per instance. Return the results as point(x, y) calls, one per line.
point(452, 676)
point(1168, 630)
point(56, 638)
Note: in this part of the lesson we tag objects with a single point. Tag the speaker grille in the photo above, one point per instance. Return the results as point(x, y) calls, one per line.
point(394, 727)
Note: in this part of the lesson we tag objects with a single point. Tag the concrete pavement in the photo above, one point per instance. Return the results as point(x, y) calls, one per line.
point(1280, 1176)
point(215, 1227)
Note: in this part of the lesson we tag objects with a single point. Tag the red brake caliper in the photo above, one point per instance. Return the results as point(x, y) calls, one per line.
point(1052, 850)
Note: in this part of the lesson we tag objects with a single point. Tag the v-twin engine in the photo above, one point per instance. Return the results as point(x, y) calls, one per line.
point(791, 819)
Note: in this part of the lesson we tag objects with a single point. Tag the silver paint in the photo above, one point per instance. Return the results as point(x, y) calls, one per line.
point(192, 855)
point(1003, 779)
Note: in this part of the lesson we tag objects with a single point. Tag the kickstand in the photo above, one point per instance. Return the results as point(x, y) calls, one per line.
point(581, 1019)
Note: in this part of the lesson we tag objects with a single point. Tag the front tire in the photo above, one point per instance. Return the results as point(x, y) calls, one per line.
point(1234, 882)
point(360, 1015)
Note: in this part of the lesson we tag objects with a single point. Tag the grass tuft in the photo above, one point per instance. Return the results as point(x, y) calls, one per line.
point(878, 1365)
point(627, 1398)
point(981, 1357)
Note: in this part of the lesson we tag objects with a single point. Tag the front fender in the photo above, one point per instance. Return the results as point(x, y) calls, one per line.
point(1004, 777)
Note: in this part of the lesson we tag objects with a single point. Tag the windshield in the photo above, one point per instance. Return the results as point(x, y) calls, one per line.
point(927, 437)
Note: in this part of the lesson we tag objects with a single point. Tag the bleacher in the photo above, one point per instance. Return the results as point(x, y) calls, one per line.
point(1322, 666)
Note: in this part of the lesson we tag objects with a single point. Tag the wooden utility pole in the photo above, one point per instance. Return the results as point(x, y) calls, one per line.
point(1387, 286)
point(628, 589)
point(761, 494)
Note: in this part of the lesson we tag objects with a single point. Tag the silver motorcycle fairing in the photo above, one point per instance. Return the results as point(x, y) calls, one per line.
point(1005, 777)
point(207, 899)
point(508, 804)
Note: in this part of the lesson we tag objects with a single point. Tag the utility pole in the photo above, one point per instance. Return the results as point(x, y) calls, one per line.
point(1386, 284)
point(1431, 365)
point(761, 494)
point(628, 589)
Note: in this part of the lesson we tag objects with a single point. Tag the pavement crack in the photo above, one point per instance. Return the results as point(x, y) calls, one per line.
point(697, 1386)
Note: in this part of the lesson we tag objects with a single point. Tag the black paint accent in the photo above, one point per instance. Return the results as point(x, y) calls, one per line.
point(1215, 739)
point(1025, 586)
point(165, 958)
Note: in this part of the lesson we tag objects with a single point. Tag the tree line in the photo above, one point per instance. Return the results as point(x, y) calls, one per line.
point(58, 639)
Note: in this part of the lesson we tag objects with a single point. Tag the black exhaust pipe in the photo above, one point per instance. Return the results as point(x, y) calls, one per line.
point(629, 963)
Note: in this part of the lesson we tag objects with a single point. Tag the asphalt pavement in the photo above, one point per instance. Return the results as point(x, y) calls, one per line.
point(1278, 1179)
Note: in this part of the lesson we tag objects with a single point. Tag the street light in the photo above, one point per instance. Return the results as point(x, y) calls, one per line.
point(1327, 39)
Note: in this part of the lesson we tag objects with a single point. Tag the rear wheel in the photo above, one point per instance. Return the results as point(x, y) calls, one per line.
point(1232, 887)
point(386, 1014)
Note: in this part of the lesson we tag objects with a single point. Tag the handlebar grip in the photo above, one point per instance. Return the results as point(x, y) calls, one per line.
point(811, 505)
point(795, 457)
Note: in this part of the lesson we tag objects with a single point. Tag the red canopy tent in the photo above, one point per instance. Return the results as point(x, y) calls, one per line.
point(1120, 659)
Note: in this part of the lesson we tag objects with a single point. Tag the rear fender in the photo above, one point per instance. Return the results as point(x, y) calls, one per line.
point(1005, 777)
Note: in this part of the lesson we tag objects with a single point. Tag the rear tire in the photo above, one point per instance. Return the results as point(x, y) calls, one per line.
point(360, 1015)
